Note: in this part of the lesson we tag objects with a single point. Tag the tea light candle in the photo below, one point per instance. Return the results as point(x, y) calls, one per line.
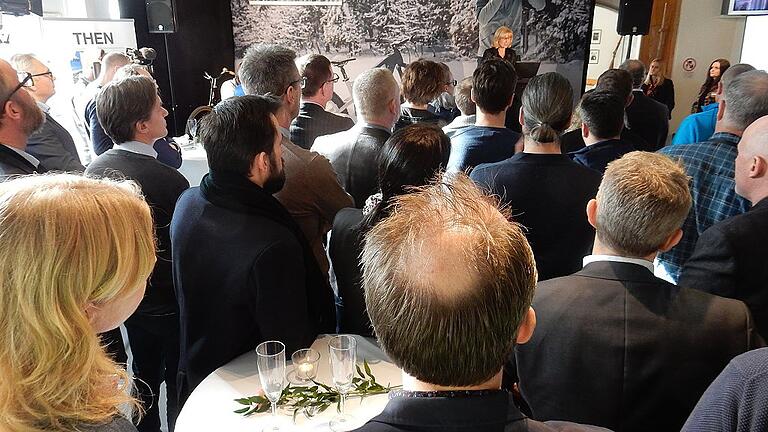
point(305, 370)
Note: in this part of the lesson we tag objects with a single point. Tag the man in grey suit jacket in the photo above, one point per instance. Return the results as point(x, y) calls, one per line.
point(614, 345)
point(52, 145)
point(316, 91)
point(353, 153)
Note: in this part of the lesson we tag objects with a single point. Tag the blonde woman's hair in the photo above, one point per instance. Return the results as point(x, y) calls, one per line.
point(66, 241)
point(500, 33)
point(660, 77)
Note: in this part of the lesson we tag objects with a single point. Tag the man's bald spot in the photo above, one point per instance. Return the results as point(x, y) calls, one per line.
point(754, 142)
point(115, 60)
point(8, 78)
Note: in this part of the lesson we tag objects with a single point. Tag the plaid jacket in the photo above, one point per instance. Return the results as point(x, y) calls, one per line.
point(711, 167)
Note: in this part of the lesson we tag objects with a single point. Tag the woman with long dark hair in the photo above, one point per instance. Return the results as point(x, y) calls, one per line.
point(708, 90)
point(410, 158)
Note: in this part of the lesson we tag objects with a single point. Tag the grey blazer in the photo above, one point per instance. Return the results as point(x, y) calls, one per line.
point(53, 146)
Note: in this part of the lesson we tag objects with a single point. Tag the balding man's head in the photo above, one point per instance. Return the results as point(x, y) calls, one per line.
point(636, 69)
point(751, 171)
point(110, 64)
point(448, 283)
point(746, 99)
point(377, 97)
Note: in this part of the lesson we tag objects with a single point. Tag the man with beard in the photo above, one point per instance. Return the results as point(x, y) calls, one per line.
point(19, 118)
point(244, 272)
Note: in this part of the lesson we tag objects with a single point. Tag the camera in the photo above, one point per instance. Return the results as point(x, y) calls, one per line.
point(142, 56)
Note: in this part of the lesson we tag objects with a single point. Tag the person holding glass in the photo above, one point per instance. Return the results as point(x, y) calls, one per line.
point(502, 46)
point(77, 253)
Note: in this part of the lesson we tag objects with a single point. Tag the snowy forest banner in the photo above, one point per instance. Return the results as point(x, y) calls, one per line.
point(380, 32)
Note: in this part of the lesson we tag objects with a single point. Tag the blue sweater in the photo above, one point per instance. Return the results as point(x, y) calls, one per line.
point(474, 145)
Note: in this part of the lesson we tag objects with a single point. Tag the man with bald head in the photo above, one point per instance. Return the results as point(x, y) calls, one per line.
point(353, 152)
point(52, 144)
point(19, 118)
point(729, 259)
point(710, 164)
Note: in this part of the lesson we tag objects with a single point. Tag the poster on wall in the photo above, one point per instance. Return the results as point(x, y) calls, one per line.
point(392, 33)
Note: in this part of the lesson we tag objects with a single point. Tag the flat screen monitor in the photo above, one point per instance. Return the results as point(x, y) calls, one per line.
point(745, 7)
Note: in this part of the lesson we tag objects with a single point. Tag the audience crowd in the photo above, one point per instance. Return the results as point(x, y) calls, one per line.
point(572, 278)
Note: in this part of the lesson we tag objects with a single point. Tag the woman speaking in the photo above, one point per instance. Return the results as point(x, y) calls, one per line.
point(502, 46)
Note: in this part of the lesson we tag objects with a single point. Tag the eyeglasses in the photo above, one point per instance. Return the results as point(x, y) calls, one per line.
point(25, 80)
point(452, 82)
point(335, 78)
point(302, 81)
point(49, 74)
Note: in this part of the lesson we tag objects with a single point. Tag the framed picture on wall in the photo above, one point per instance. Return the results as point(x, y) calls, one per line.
point(597, 35)
point(594, 56)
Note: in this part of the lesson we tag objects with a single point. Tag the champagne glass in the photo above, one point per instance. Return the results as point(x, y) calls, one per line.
point(271, 363)
point(343, 355)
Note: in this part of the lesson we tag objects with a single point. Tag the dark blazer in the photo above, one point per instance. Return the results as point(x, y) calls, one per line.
point(665, 93)
point(617, 347)
point(491, 412)
point(509, 54)
point(729, 261)
point(598, 155)
point(572, 141)
point(649, 119)
point(409, 116)
point(547, 194)
point(344, 248)
point(13, 164)
point(53, 146)
point(353, 155)
point(313, 121)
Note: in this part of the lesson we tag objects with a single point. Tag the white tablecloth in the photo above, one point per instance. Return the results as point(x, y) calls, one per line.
point(210, 406)
point(194, 164)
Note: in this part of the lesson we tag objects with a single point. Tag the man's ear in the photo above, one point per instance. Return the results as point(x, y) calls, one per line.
point(472, 95)
point(140, 127)
point(719, 87)
point(584, 130)
point(510, 102)
point(521, 118)
point(672, 240)
point(758, 167)
point(525, 331)
point(291, 95)
point(721, 107)
point(13, 110)
point(592, 212)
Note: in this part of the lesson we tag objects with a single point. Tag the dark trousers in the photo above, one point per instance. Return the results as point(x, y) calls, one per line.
point(154, 342)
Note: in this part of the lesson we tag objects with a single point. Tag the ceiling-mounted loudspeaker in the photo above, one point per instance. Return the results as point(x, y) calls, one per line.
point(161, 17)
point(634, 17)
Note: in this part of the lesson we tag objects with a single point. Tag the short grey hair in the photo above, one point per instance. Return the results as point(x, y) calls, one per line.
point(746, 98)
point(268, 68)
point(372, 91)
point(129, 70)
point(122, 103)
point(636, 69)
point(463, 95)
point(734, 71)
point(23, 62)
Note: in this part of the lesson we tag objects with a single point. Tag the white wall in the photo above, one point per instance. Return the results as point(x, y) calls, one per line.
point(704, 35)
point(605, 20)
point(755, 36)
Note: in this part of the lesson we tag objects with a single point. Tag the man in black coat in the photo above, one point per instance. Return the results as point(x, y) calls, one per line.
point(448, 314)
point(646, 117)
point(353, 153)
point(729, 259)
point(20, 118)
point(614, 345)
point(316, 91)
point(244, 272)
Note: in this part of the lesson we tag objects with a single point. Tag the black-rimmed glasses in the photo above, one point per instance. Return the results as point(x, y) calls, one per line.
point(452, 82)
point(49, 74)
point(302, 81)
point(335, 78)
point(25, 80)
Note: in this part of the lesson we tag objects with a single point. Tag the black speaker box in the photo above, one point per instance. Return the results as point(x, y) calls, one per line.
point(160, 16)
point(634, 17)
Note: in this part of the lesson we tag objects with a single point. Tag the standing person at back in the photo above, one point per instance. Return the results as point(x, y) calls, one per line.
point(316, 91)
point(645, 116)
point(544, 188)
point(133, 116)
point(488, 140)
point(353, 153)
point(616, 346)
point(312, 193)
point(710, 164)
point(52, 144)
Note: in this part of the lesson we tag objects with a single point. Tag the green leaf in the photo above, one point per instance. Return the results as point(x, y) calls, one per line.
point(367, 368)
point(242, 410)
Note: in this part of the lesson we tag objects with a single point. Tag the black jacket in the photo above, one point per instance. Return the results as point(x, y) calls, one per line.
point(353, 155)
point(649, 119)
point(409, 116)
point(665, 93)
point(617, 347)
point(729, 261)
point(598, 155)
point(313, 121)
point(12, 164)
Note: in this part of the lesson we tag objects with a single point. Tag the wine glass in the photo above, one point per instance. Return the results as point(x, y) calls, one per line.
point(343, 355)
point(271, 363)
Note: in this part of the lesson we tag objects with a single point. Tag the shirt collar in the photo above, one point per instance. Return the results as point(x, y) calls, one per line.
point(613, 258)
point(725, 137)
point(138, 148)
point(31, 159)
point(285, 132)
point(364, 124)
point(45, 108)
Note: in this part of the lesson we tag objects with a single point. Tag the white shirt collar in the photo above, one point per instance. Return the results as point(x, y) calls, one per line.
point(613, 258)
point(137, 147)
point(285, 132)
point(31, 159)
point(45, 108)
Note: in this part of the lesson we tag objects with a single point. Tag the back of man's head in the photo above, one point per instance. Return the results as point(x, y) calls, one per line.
point(268, 68)
point(617, 81)
point(448, 281)
point(636, 69)
point(463, 96)
point(373, 91)
point(121, 104)
point(315, 69)
point(24, 62)
point(493, 85)
point(746, 99)
point(110, 64)
point(735, 71)
point(236, 131)
point(603, 113)
point(131, 69)
point(643, 199)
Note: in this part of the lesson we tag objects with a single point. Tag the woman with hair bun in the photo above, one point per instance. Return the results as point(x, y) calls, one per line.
point(546, 191)
point(77, 253)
